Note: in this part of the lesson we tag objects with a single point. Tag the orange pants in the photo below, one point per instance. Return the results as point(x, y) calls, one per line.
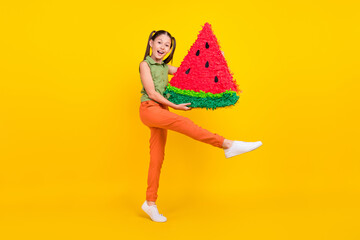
point(159, 119)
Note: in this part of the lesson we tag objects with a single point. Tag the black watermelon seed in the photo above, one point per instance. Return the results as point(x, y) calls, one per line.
point(216, 79)
point(207, 45)
point(187, 71)
point(207, 64)
point(197, 52)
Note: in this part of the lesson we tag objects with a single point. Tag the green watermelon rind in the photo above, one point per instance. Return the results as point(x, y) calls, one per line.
point(201, 99)
point(201, 94)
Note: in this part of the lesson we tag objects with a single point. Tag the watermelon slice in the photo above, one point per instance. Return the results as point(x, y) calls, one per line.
point(203, 78)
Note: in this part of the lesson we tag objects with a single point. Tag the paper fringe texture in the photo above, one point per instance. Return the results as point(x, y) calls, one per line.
point(201, 99)
point(203, 78)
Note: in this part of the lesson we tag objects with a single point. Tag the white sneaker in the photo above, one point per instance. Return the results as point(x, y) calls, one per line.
point(239, 147)
point(153, 212)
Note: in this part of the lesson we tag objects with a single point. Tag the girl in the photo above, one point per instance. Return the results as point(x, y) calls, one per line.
point(154, 113)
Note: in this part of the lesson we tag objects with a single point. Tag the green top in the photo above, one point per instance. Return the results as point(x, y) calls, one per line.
point(159, 74)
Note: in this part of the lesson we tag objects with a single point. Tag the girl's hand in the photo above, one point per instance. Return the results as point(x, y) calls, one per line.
point(183, 106)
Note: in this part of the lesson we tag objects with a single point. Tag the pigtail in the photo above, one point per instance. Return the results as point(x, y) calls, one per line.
point(147, 52)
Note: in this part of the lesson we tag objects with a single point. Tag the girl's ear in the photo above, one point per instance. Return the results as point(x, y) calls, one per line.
point(151, 42)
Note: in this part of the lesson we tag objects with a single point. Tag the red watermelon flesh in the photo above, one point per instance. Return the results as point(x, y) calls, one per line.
point(204, 68)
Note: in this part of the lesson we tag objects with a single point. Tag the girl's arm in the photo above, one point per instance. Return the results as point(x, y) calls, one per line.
point(172, 69)
point(148, 83)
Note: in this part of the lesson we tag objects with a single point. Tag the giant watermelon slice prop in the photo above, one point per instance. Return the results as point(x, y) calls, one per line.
point(203, 78)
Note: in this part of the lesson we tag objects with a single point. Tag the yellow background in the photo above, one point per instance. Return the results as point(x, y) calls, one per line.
point(74, 153)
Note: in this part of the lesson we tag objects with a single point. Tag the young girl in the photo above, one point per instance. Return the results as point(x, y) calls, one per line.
point(154, 113)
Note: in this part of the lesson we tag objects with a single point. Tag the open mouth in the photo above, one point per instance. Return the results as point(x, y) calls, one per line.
point(160, 52)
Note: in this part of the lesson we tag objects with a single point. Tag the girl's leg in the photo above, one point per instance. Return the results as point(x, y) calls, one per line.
point(153, 114)
point(157, 116)
point(157, 153)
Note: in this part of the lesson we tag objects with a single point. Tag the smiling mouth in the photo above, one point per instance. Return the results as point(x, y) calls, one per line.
point(160, 53)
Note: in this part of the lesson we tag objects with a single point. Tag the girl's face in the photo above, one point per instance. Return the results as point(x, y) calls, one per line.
point(160, 46)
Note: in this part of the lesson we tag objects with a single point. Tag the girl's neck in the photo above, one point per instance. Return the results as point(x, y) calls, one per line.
point(155, 59)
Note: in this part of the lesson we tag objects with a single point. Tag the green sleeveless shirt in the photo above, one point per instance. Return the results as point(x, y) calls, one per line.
point(159, 74)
